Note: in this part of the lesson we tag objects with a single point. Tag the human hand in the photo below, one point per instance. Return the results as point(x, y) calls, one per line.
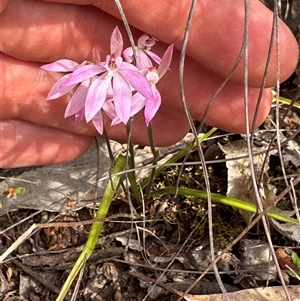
point(33, 130)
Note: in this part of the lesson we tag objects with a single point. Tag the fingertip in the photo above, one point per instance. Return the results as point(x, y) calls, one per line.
point(27, 144)
point(231, 116)
point(221, 43)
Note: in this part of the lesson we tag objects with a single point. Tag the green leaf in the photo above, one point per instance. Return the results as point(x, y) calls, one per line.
point(295, 259)
point(239, 204)
point(97, 225)
point(287, 101)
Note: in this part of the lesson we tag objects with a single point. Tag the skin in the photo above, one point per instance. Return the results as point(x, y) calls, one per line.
point(33, 130)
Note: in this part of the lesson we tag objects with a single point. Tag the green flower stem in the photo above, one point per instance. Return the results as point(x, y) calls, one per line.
point(131, 165)
point(155, 160)
point(287, 101)
point(239, 204)
point(96, 226)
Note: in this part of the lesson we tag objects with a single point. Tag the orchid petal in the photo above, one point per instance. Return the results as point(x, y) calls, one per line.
point(96, 55)
point(138, 102)
point(142, 60)
point(109, 108)
point(63, 65)
point(109, 92)
point(77, 100)
point(128, 66)
point(152, 106)
point(98, 122)
point(58, 88)
point(79, 116)
point(122, 97)
point(165, 61)
point(84, 72)
point(116, 121)
point(96, 97)
point(154, 56)
point(116, 42)
point(138, 82)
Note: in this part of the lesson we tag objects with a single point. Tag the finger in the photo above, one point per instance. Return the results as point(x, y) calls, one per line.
point(24, 144)
point(25, 86)
point(216, 34)
point(3, 4)
point(45, 32)
point(226, 111)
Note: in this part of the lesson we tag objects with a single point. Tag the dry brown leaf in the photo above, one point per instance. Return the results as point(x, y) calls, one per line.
point(285, 260)
point(240, 183)
point(256, 294)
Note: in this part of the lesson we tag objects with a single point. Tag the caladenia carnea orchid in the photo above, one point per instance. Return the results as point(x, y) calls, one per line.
point(120, 86)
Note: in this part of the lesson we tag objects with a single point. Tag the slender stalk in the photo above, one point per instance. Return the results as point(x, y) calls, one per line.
point(96, 226)
point(131, 165)
point(155, 160)
point(229, 201)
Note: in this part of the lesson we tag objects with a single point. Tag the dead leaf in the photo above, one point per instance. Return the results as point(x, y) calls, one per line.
point(285, 260)
point(240, 183)
point(290, 231)
point(256, 294)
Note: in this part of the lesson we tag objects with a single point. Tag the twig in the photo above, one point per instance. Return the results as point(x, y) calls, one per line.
point(37, 276)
